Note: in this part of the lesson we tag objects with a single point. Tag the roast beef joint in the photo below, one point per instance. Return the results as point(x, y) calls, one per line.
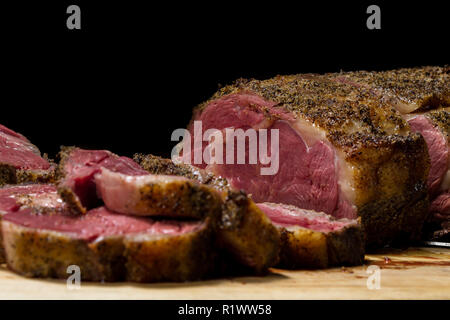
point(353, 161)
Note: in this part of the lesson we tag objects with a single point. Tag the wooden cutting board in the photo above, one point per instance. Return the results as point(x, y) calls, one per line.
point(415, 273)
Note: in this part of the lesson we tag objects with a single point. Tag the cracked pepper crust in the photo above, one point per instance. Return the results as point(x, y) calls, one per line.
point(441, 118)
point(390, 163)
point(179, 199)
point(244, 230)
point(136, 258)
point(158, 165)
point(428, 87)
point(305, 248)
point(11, 175)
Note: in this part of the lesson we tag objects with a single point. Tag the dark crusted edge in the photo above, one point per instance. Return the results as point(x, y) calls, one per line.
point(397, 222)
point(308, 249)
point(394, 209)
point(180, 199)
point(158, 165)
point(47, 254)
point(71, 200)
point(11, 175)
point(62, 157)
point(240, 220)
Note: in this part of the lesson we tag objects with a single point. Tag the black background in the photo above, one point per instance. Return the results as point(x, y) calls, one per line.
point(134, 71)
point(394, 309)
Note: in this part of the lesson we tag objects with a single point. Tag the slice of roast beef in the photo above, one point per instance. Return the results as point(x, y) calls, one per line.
point(92, 176)
point(408, 89)
point(243, 229)
point(315, 240)
point(14, 197)
point(20, 160)
point(77, 170)
point(156, 195)
point(42, 239)
point(343, 150)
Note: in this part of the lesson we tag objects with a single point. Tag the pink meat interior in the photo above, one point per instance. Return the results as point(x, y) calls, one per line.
point(10, 196)
point(289, 216)
point(23, 205)
point(99, 222)
point(440, 206)
point(18, 152)
point(308, 173)
point(82, 165)
point(437, 149)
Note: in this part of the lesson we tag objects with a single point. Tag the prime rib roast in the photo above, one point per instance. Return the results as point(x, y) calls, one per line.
point(343, 150)
point(363, 162)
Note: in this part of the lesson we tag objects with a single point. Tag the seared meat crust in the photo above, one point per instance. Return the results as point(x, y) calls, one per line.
point(134, 257)
point(305, 248)
point(418, 89)
point(11, 175)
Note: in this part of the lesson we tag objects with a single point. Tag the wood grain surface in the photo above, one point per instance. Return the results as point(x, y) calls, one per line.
point(415, 273)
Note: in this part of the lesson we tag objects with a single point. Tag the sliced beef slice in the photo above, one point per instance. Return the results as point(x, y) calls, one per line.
point(315, 240)
point(157, 195)
point(41, 239)
point(244, 230)
point(92, 176)
point(13, 197)
point(343, 150)
point(77, 171)
point(21, 161)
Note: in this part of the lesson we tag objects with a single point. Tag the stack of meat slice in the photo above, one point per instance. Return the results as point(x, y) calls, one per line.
point(125, 187)
point(308, 239)
point(116, 221)
point(42, 238)
point(343, 150)
point(21, 161)
point(422, 95)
